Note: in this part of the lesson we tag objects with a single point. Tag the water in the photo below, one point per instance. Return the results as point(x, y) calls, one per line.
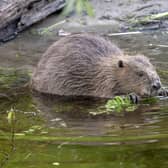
point(54, 132)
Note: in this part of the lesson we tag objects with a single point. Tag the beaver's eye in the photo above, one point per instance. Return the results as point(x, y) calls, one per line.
point(140, 74)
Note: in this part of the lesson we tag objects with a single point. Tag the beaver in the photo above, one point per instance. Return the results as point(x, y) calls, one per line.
point(89, 65)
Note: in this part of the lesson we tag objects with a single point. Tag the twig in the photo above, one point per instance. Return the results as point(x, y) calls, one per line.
point(124, 33)
point(158, 45)
point(46, 30)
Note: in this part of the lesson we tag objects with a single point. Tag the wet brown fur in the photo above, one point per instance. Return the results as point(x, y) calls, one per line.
point(89, 65)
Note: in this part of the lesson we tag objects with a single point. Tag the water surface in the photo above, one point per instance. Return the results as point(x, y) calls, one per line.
point(53, 132)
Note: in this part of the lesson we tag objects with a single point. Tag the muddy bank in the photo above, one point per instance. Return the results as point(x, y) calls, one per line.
point(110, 15)
point(124, 15)
point(114, 16)
point(126, 12)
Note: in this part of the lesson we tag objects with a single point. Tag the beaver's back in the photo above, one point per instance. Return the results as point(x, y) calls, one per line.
point(70, 64)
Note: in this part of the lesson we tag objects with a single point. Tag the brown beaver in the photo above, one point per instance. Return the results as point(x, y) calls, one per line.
point(89, 65)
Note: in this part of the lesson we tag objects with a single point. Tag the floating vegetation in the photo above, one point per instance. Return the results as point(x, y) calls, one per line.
point(116, 105)
point(119, 104)
point(150, 100)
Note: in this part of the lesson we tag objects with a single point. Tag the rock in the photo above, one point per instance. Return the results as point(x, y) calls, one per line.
point(17, 15)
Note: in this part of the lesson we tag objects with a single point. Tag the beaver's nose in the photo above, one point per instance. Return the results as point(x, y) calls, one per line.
point(156, 85)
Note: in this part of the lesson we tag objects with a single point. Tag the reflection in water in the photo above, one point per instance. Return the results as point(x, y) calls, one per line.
point(75, 114)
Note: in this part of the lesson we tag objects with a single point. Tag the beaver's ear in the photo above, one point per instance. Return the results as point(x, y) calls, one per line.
point(120, 64)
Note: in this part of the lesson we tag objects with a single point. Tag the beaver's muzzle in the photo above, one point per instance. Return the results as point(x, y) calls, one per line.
point(156, 85)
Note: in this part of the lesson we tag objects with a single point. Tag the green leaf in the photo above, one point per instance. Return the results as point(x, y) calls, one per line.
point(79, 6)
point(120, 104)
point(11, 116)
point(89, 8)
point(70, 5)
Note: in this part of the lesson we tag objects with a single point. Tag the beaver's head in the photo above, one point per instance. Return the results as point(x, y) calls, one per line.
point(136, 74)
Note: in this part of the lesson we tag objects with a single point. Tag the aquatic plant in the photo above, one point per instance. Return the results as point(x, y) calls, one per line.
point(11, 148)
point(119, 104)
point(149, 19)
point(151, 100)
point(79, 6)
point(11, 116)
point(12, 78)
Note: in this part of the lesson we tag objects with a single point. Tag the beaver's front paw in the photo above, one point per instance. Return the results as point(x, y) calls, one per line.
point(134, 98)
point(163, 92)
